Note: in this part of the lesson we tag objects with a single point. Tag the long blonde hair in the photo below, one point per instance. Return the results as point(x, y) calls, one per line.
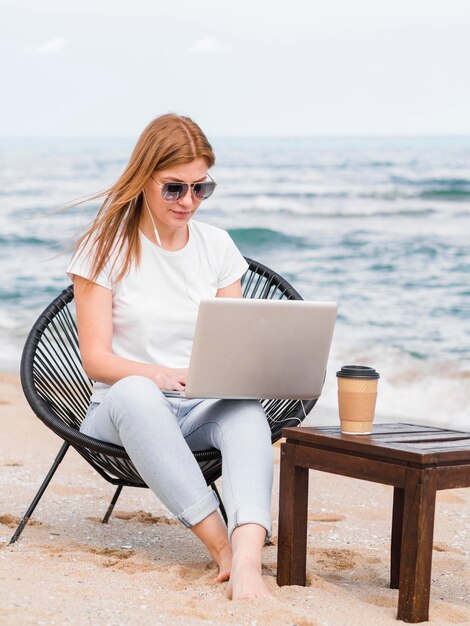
point(167, 141)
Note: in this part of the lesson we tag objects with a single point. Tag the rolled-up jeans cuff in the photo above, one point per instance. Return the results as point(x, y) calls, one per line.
point(200, 510)
point(251, 516)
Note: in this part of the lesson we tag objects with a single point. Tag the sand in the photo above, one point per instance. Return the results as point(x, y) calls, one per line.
point(145, 568)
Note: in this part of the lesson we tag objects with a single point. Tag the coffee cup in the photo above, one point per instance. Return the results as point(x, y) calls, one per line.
point(357, 395)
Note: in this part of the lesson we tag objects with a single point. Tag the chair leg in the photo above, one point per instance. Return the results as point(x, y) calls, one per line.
point(221, 504)
point(42, 489)
point(117, 493)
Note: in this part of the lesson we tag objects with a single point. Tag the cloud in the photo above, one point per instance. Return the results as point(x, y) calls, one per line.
point(208, 45)
point(48, 47)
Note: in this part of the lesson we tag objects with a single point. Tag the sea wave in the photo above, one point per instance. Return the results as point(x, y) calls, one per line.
point(265, 237)
point(410, 388)
point(27, 291)
point(20, 240)
point(446, 194)
point(390, 196)
point(375, 212)
point(287, 195)
point(29, 193)
point(329, 207)
point(449, 182)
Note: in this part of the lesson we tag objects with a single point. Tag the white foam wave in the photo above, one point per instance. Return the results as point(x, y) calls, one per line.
point(431, 392)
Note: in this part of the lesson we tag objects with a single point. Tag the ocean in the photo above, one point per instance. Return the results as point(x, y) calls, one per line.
point(381, 225)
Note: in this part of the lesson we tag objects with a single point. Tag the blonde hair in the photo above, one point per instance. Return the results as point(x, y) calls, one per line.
point(167, 141)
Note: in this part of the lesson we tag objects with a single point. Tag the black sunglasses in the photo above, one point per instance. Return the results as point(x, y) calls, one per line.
point(174, 191)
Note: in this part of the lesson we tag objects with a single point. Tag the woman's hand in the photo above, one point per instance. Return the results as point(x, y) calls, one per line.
point(172, 379)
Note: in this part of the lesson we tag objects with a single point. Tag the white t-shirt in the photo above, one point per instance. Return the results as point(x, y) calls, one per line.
point(155, 305)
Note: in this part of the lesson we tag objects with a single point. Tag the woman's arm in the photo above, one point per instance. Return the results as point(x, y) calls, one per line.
point(231, 291)
point(95, 332)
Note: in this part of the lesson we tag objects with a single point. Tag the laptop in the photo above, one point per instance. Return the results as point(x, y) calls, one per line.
point(250, 349)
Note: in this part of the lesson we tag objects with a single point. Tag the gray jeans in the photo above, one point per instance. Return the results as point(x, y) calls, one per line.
point(159, 434)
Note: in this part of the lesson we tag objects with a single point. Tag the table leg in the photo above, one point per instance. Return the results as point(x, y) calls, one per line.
point(293, 509)
point(397, 530)
point(416, 548)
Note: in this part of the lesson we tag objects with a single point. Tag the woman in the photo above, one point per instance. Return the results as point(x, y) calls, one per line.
point(139, 273)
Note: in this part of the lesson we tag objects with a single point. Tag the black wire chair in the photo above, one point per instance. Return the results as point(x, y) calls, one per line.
point(58, 390)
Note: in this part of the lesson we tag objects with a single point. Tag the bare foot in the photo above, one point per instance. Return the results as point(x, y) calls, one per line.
point(212, 531)
point(223, 558)
point(246, 582)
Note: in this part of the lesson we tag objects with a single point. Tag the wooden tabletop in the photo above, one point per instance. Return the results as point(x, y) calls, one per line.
point(398, 443)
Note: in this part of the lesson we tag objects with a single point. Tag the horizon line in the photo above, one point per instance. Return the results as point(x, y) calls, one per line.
point(437, 135)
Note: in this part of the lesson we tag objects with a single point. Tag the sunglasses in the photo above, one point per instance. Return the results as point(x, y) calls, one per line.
point(172, 192)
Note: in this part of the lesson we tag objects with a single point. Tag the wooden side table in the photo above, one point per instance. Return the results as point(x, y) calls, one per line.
point(416, 460)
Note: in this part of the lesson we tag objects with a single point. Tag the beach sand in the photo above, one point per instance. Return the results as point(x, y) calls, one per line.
point(145, 568)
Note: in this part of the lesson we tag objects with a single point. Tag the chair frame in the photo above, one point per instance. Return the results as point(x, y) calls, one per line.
point(58, 391)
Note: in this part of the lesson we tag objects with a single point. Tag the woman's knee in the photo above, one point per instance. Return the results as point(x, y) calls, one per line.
point(132, 388)
point(135, 395)
point(137, 400)
point(247, 416)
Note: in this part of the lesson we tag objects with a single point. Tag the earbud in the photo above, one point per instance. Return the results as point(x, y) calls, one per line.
point(157, 236)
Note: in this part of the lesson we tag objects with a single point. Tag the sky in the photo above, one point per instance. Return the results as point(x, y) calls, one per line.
point(245, 68)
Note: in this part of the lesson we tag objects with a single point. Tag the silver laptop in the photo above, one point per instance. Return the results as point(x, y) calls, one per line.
point(247, 348)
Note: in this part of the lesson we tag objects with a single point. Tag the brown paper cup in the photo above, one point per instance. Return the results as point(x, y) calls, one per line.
point(356, 399)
